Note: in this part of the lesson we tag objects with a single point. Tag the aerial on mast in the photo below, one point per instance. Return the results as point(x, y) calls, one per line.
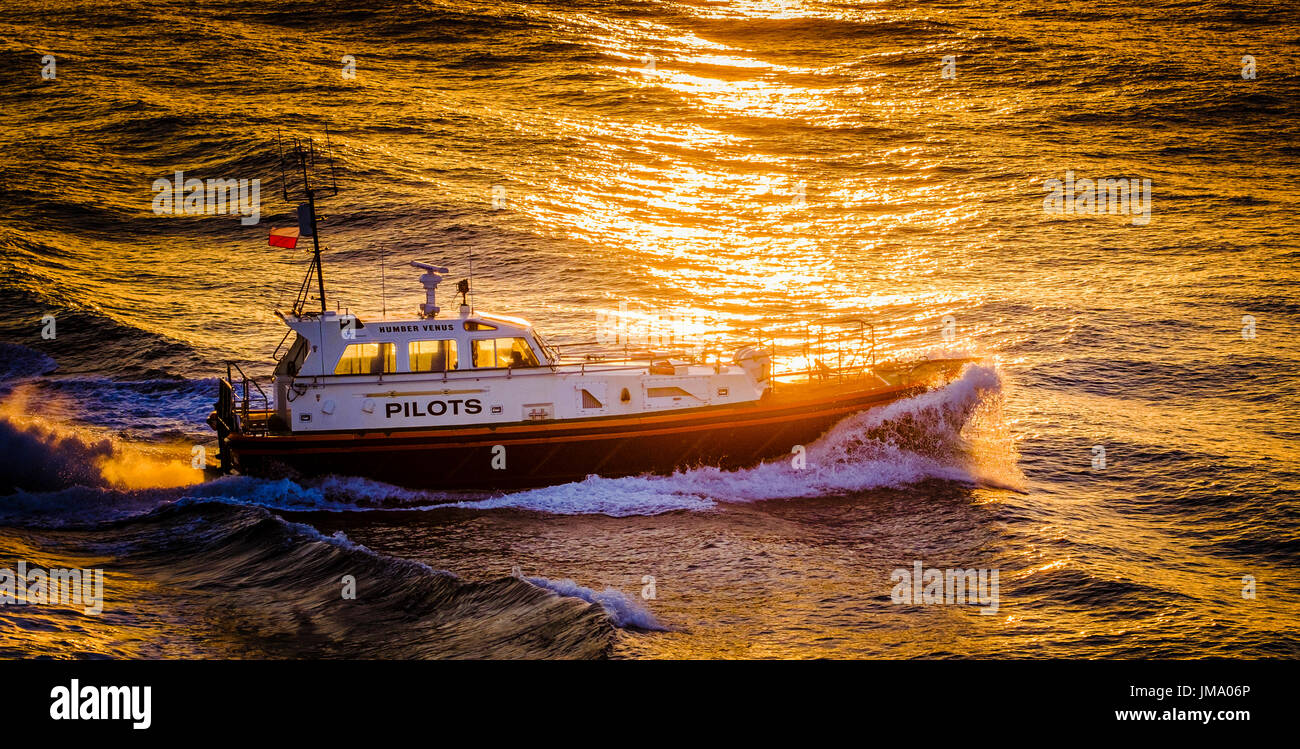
point(307, 173)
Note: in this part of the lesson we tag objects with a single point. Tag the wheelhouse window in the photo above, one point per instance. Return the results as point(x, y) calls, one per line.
point(502, 352)
point(367, 358)
point(431, 356)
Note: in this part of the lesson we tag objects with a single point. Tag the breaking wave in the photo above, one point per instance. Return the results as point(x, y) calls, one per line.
point(623, 611)
point(41, 455)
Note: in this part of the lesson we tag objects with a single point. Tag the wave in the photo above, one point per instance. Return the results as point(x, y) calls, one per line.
point(1079, 587)
point(272, 588)
point(37, 455)
point(623, 611)
point(19, 362)
point(90, 341)
point(747, 30)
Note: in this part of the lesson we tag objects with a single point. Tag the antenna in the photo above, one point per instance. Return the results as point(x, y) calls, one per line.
point(306, 174)
point(383, 287)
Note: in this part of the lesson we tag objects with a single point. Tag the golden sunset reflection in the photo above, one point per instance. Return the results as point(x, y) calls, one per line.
point(1117, 436)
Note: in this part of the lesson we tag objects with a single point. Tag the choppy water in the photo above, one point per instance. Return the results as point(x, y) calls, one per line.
point(749, 162)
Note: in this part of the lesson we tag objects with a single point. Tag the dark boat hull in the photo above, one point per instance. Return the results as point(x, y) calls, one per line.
point(544, 453)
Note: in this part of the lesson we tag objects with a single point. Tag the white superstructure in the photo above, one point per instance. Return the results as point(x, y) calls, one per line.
point(345, 374)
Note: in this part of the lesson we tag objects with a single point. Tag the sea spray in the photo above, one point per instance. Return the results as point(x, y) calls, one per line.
point(623, 611)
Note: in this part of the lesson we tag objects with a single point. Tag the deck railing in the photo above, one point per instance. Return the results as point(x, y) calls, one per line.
point(238, 399)
point(853, 351)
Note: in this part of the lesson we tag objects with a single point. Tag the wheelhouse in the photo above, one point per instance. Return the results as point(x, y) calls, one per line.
point(342, 345)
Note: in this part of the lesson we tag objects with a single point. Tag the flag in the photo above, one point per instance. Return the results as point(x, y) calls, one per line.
point(284, 238)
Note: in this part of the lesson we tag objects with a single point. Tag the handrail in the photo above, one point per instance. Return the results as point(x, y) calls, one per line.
point(811, 339)
point(276, 355)
point(242, 403)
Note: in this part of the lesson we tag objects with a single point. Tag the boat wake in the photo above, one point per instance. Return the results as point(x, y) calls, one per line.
point(956, 433)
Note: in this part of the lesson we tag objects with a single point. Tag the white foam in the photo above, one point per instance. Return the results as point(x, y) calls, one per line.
point(281, 494)
point(623, 610)
point(895, 445)
point(621, 497)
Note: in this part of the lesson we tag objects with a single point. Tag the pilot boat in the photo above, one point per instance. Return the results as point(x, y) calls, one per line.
point(481, 401)
point(474, 400)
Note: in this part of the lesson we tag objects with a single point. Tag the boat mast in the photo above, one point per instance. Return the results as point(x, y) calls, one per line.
point(302, 158)
point(315, 243)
